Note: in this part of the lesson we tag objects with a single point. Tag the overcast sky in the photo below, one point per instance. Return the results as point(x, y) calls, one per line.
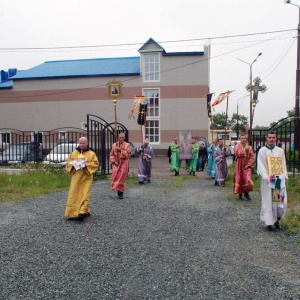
point(233, 26)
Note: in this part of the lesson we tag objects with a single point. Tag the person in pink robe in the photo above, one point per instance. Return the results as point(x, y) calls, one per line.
point(119, 158)
point(242, 178)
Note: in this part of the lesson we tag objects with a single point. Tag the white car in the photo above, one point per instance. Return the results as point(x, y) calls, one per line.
point(132, 149)
point(232, 146)
point(59, 154)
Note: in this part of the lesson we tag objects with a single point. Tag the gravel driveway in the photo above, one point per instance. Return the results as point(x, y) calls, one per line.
point(175, 238)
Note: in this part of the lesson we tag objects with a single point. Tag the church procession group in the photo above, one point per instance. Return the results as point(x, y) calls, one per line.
point(271, 167)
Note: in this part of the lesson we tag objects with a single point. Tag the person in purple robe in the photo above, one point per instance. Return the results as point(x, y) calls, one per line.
point(220, 155)
point(145, 162)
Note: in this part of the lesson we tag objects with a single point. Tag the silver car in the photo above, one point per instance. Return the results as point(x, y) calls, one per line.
point(59, 154)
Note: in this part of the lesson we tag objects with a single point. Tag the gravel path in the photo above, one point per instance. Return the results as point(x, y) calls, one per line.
point(175, 238)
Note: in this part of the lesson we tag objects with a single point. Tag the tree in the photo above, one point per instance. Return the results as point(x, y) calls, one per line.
point(219, 121)
point(239, 120)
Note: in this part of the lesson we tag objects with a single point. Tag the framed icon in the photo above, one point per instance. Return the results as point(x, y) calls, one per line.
point(114, 89)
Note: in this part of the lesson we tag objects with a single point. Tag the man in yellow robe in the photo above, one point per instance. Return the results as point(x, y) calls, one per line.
point(119, 159)
point(82, 164)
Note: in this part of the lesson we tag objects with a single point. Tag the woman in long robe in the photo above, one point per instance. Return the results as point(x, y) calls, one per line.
point(145, 162)
point(211, 166)
point(175, 161)
point(220, 155)
point(192, 163)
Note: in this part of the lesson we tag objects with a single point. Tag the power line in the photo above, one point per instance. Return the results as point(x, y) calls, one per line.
point(134, 78)
point(131, 44)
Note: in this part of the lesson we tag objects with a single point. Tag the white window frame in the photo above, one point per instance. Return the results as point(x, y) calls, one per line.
point(147, 135)
point(60, 137)
point(1, 137)
point(84, 126)
point(147, 74)
point(33, 133)
point(153, 118)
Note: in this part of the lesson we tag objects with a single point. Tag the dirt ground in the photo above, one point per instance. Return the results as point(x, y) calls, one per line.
point(161, 167)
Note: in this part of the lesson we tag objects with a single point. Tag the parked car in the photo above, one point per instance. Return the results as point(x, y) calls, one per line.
point(59, 154)
point(232, 146)
point(21, 153)
point(132, 150)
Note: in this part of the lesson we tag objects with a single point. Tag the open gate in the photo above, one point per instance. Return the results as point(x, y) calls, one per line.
point(101, 136)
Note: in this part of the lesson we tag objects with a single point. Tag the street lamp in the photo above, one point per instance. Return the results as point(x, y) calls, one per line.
point(296, 137)
point(259, 54)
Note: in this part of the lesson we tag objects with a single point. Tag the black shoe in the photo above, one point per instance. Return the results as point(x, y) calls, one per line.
point(149, 181)
point(141, 182)
point(216, 182)
point(86, 215)
point(278, 226)
point(194, 174)
point(190, 173)
point(176, 173)
point(240, 196)
point(120, 195)
point(80, 217)
point(247, 196)
point(269, 228)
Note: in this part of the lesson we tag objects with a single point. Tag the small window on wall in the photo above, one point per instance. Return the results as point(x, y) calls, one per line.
point(151, 67)
point(5, 138)
point(93, 125)
point(37, 137)
point(62, 135)
point(152, 131)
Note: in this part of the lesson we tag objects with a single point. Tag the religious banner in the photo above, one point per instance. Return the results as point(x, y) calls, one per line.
point(135, 104)
point(208, 97)
point(185, 141)
point(220, 98)
point(142, 114)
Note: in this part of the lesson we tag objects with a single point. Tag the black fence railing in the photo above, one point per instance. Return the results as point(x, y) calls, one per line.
point(285, 132)
point(53, 147)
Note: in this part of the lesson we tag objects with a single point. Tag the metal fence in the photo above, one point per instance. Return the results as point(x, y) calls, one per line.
point(53, 147)
point(285, 132)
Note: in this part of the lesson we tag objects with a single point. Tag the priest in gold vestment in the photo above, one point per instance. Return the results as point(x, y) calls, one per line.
point(82, 164)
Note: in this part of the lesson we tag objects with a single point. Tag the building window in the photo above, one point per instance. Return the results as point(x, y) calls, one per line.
point(152, 131)
point(151, 67)
point(152, 98)
point(152, 128)
point(36, 136)
point(94, 125)
point(62, 135)
point(5, 138)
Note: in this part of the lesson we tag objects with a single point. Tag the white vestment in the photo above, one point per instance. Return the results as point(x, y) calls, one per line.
point(270, 212)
